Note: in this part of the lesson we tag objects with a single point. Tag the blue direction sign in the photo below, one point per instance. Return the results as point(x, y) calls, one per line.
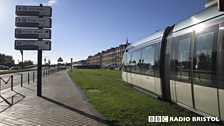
point(33, 22)
point(32, 45)
point(22, 10)
point(33, 33)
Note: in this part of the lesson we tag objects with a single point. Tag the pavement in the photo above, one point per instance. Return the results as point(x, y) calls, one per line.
point(62, 104)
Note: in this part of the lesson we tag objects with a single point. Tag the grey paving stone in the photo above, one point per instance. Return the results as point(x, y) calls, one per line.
point(62, 104)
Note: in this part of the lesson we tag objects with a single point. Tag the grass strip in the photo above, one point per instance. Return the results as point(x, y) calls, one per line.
point(123, 105)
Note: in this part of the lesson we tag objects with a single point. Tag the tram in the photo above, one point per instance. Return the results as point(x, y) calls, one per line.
point(183, 63)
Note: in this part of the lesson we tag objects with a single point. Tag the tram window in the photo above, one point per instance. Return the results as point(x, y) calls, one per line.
point(136, 61)
point(205, 57)
point(124, 62)
point(183, 58)
point(172, 59)
point(128, 62)
point(148, 60)
point(157, 54)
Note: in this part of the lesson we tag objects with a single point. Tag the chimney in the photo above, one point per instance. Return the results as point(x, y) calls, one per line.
point(211, 3)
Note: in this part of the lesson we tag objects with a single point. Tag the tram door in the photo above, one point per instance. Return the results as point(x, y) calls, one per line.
point(180, 69)
point(193, 67)
point(205, 70)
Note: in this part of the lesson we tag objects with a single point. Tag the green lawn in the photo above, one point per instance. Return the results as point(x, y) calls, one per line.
point(123, 105)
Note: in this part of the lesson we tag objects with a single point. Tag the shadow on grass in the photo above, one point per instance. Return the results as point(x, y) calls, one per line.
point(106, 122)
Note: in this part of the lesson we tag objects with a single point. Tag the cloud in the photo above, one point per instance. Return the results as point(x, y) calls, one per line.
point(51, 2)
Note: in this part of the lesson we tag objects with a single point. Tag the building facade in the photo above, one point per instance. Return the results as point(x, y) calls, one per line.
point(111, 58)
point(95, 60)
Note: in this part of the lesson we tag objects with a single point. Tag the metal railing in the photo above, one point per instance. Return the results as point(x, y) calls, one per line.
point(6, 82)
point(22, 78)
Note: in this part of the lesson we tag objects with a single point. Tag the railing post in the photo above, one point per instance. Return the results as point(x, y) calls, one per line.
point(28, 78)
point(12, 83)
point(33, 76)
point(21, 80)
point(0, 85)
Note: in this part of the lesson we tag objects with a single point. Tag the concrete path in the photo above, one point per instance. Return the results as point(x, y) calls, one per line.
point(62, 104)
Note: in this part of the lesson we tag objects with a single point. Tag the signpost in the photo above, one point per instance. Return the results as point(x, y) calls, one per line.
point(32, 45)
point(33, 22)
point(22, 10)
point(34, 17)
point(59, 60)
point(33, 33)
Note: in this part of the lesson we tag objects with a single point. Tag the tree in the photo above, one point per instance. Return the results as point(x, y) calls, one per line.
point(26, 63)
point(6, 60)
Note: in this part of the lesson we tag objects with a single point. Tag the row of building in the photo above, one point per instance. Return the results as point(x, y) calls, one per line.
point(111, 58)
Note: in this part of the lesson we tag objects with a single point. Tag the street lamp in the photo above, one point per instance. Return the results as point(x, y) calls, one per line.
point(71, 64)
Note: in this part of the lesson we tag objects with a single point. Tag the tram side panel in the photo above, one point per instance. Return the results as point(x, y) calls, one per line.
point(193, 76)
point(148, 68)
point(140, 69)
point(181, 87)
point(205, 69)
point(221, 69)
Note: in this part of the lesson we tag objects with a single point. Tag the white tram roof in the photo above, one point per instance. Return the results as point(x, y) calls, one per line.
point(149, 38)
point(204, 15)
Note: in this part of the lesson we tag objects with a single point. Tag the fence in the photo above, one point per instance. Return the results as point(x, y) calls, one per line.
point(22, 78)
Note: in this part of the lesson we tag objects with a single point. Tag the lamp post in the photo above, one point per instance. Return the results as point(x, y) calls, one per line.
point(71, 64)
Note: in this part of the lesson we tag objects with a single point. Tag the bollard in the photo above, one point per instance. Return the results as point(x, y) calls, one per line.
point(33, 76)
point(43, 73)
point(21, 80)
point(28, 78)
point(12, 83)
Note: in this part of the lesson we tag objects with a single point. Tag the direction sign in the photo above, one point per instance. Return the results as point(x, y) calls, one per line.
point(22, 10)
point(32, 45)
point(33, 33)
point(33, 22)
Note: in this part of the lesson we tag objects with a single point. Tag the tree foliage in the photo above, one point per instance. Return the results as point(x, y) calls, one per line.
point(26, 63)
point(6, 60)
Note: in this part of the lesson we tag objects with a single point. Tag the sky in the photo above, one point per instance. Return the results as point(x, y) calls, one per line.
point(85, 27)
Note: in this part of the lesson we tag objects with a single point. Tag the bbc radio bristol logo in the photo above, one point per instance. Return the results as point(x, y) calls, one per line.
point(181, 119)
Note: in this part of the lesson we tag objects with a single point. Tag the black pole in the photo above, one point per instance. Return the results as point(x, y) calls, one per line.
point(12, 83)
point(21, 80)
point(22, 63)
point(33, 76)
point(28, 78)
point(39, 74)
point(21, 51)
point(39, 67)
point(71, 64)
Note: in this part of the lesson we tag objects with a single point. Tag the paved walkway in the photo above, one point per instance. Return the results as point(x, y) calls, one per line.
point(62, 104)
